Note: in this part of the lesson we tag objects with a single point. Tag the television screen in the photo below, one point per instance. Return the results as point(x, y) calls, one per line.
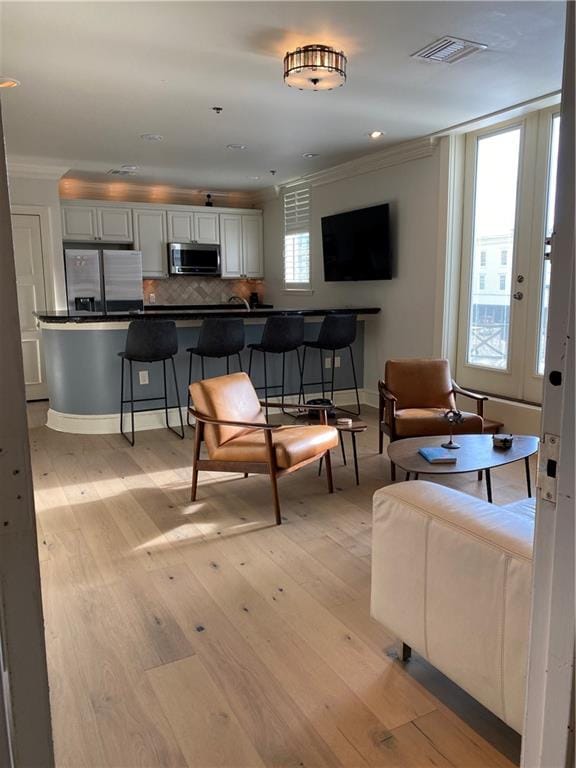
point(356, 245)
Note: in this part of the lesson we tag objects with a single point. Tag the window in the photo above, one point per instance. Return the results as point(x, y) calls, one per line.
point(482, 258)
point(502, 282)
point(482, 282)
point(503, 258)
point(297, 239)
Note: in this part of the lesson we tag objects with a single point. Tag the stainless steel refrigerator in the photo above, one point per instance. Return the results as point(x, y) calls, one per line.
point(103, 280)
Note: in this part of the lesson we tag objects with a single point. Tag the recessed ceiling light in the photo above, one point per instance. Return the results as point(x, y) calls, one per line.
point(129, 167)
point(254, 178)
point(376, 134)
point(120, 172)
point(8, 82)
point(309, 155)
point(236, 146)
point(151, 137)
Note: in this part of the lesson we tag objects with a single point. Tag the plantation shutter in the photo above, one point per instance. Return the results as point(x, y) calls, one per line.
point(297, 237)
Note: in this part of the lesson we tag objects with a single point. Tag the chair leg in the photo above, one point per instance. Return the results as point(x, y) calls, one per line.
point(122, 396)
point(333, 371)
point(202, 366)
point(273, 478)
point(355, 380)
point(300, 393)
point(406, 653)
point(198, 432)
point(239, 362)
point(165, 394)
point(180, 434)
point(250, 364)
point(189, 401)
point(227, 365)
point(480, 475)
point(282, 395)
point(265, 383)
point(132, 403)
point(302, 377)
point(380, 420)
point(322, 373)
point(329, 472)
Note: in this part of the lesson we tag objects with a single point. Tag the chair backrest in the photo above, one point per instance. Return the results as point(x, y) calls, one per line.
point(226, 397)
point(337, 331)
point(221, 336)
point(283, 333)
point(420, 383)
point(151, 340)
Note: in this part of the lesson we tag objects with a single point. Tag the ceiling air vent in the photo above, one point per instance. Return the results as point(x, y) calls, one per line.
point(120, 172)
point(448, 50)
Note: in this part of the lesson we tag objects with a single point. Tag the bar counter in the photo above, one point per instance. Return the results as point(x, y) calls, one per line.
point(83, 366)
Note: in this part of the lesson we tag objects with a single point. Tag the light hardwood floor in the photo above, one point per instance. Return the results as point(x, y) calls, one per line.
point(197, 634)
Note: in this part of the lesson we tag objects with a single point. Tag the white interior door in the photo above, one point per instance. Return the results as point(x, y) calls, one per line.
point(27, 239)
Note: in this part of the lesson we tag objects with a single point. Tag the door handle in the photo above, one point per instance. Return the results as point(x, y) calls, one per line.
point(518, 295)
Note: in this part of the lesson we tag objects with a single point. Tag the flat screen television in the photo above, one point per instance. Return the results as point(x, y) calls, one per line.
point(356, 245)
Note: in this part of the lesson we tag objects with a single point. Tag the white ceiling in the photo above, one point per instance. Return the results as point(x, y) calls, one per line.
point(96, 75)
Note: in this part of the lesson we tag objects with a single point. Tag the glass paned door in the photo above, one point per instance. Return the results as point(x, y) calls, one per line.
point(510, 188)
point(497, 163)
point(550, 209)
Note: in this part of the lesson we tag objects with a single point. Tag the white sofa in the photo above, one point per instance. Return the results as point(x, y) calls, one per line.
point(451, 578)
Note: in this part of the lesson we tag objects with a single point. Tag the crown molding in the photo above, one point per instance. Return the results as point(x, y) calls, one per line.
point(393, 155)
point(26, 168)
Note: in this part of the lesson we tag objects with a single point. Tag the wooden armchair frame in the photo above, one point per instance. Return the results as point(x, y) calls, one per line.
point(268, 467)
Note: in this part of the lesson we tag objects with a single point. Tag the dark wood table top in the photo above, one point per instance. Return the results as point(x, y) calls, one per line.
point(476, 453)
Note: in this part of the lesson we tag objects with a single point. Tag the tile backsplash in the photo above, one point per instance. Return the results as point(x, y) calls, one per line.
point(200, 290)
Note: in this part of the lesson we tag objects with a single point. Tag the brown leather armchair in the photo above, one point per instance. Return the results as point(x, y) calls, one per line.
point(231, 421)
point(414, 397)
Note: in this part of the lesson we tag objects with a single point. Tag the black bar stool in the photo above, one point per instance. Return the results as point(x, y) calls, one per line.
point(219, 337)
point(282, 334)
point(336, 332)
point(149, 341)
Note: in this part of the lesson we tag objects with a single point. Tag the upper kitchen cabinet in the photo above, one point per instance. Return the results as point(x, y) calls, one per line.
point(150, 238)
point(190, 227)
point(111, 225)
point(241, 245)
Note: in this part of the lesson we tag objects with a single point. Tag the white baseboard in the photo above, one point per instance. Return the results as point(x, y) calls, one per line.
point(109, 423)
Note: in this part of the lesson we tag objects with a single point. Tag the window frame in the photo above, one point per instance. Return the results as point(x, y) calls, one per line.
point(304, 287)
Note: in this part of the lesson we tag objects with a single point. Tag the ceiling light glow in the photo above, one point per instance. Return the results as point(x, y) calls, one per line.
point(8, 82)
point(376, 134)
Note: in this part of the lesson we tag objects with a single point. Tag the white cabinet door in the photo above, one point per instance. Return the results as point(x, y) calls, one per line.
point(150, 238)
point(31, 298)
point(79, 222)
point(180, 227)
point(252, 250)
point(206, 229)
point(115, 225)
point(231, 244)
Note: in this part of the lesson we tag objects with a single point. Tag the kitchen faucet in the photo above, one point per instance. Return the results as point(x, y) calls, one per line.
point(239, 300)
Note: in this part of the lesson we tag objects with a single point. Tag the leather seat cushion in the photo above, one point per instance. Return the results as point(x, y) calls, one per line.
point(292, 445)
point(420, 422)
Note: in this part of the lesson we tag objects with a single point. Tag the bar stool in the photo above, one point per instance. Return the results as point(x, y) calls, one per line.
point(336, 332)
point(149, 341)
point(219, 337)
point(282, 334)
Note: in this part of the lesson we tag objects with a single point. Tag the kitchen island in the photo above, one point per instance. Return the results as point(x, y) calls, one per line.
point(83, 366)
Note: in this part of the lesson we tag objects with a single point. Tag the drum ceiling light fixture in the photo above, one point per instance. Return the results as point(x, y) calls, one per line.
point(315, 68)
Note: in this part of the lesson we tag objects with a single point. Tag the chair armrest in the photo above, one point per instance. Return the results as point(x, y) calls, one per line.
point(226, 423)
point(386, 394)
point(458, 390)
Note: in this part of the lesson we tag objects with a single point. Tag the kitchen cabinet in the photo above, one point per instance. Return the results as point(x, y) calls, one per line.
point(112, 224)
point(241, 246)
point(150, 238)
point(200, 227)
point(252, 249)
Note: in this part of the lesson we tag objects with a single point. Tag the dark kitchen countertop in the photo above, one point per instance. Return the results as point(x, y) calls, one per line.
point(197, 313)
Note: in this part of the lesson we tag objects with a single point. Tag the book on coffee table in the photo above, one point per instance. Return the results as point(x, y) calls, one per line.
point(437, 455)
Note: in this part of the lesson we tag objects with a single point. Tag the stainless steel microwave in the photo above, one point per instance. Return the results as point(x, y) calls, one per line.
point(194, 259)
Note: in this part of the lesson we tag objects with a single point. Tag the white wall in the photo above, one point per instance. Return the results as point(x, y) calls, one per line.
point(43, 193)
point(405, 326)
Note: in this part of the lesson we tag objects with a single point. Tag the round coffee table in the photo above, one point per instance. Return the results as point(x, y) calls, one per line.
point(476, 454)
